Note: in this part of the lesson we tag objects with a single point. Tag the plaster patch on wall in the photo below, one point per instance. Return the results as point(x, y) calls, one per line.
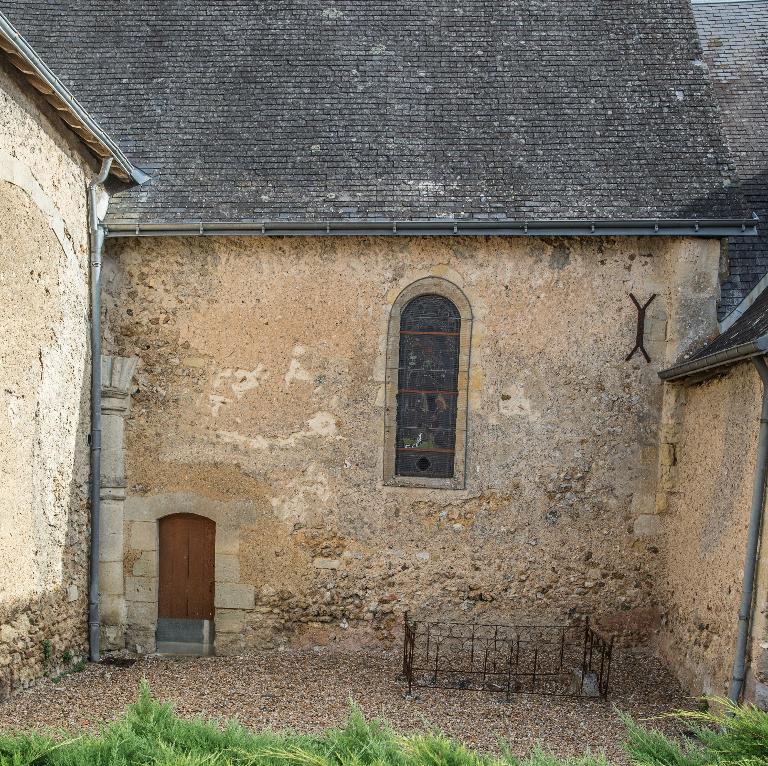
point(216, 402)
point(238, 381)
point(305, 493)
point(249, 442)
point(248, 380)
point(320, 425)
point(295, 370)
point(515, 404)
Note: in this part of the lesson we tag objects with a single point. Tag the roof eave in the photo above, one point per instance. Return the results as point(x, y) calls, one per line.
point(706, 228)
point(731, 318)
point(26, 60)
point(713, 362)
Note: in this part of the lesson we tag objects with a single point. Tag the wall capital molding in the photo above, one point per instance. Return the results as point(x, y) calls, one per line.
point(116, 383)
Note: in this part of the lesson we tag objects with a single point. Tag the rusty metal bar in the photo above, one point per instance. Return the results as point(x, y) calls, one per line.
point(639, 340)
point(562, 647)
point(429, 332)
point(537, 658)
point(426, 391)
point(407, 632)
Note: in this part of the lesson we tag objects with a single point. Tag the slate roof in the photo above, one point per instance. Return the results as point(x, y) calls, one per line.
point(750, 327)
point(734, 39)
point(364, 109)
point(16, 51)
point(745, 338)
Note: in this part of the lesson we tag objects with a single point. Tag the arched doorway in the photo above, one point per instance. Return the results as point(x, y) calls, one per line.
point(185, 599)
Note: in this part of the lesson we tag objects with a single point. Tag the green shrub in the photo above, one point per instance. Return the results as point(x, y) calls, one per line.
point(734, 735)
point(150, 734)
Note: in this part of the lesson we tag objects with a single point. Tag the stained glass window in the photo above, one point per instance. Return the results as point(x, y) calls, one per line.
point(428, 378)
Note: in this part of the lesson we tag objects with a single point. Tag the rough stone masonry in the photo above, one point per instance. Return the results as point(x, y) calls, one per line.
point(259, 401)
point(44, 391)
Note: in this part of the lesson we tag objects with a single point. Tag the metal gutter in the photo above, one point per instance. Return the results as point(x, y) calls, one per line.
point(34, 67)
point(729, 356)
point(97, 244)
point(746, 608)
point(724, 227)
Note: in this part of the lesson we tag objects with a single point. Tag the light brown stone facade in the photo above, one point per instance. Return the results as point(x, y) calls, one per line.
point(260, 403)
point(44, 395)
point(708, 457)
point(251, 381)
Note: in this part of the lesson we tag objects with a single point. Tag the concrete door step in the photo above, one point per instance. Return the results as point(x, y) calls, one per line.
point(184, 648)
point(187, 637)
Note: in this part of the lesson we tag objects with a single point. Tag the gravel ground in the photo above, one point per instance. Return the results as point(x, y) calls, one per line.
point(307, 691)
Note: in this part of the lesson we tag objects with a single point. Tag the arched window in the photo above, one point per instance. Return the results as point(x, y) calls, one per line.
point(427, 394)
point(427, 377)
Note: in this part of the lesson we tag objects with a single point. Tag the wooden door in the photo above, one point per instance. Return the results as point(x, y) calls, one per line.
point(186, 567)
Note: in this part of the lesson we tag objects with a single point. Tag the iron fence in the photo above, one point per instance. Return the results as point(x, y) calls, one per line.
point(559, 660)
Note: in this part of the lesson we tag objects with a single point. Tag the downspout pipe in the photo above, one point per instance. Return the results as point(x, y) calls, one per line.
point(96, 233)
point(753, 544)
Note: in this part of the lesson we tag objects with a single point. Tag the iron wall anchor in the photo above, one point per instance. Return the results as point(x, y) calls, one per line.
point(639, 340)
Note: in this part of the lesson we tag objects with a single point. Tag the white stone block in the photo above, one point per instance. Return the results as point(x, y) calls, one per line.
point(141, 614)
point(230, 621)
point(111, 577)
point(227, 568)
point(647, 525)
point(140, 588)
point(234, 596)
point(142, 535)
point(227, 540)
point(111, 538)
point(146, 565)
point(112, 609)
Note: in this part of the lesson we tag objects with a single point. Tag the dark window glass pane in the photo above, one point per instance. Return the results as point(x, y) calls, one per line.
point(427, 387)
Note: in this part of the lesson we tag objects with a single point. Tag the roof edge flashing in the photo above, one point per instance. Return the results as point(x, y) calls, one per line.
point(738, 311)
point(705, 228)
point(713, 362)
point(29, 56)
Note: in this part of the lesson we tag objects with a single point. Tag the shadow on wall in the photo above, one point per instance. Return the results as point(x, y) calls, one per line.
point(44, 424)
point(47, 634)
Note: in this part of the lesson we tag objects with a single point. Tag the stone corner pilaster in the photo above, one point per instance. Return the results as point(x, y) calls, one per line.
point(117, 376)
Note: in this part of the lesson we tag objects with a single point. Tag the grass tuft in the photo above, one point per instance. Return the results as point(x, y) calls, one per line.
point(150, 734)
point(731, 735)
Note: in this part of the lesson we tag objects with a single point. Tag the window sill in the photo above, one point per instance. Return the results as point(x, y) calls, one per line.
point(417, 482)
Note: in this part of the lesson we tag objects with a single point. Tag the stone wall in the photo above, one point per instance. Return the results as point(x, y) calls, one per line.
point(260, 404)
point(43, 398)
point(709, 445)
